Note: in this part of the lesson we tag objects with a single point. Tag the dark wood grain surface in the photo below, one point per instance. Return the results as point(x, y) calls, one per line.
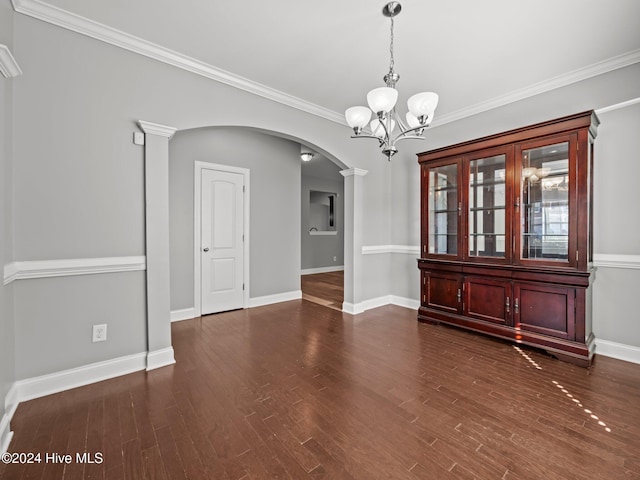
point(297, 390)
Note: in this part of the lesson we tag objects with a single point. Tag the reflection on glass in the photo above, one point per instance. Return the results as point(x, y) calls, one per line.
point(545, 203)
point(487, 207)
point(443, 209)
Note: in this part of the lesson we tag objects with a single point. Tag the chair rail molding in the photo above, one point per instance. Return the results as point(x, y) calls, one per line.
point(610, 260)
point(8, 65)
point(71, 266)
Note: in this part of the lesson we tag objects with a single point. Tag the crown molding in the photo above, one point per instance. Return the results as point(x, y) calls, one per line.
point(8, 65)
point(563, 80)
point(618, 106)
point(76, 23)
point(156, 129)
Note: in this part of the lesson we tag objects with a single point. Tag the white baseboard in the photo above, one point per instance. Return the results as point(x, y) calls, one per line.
point(5, 433)
point(10, 406)
point(405, 302)
point(77, 377)
point(620, 351)
point(160, 358)
point(183, 314)
point(355, 309)
point(311, 271)
point(277, 298)
point(352, 308)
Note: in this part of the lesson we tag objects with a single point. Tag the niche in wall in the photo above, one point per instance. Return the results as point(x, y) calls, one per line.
point(322, 212)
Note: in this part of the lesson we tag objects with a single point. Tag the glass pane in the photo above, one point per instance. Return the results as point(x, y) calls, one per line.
point(443, 209)
point(545, 203)
point(486, 207)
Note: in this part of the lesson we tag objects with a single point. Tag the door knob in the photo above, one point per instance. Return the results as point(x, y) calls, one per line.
point(205, 249)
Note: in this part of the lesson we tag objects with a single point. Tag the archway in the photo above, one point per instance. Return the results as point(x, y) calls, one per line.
point(157, 138)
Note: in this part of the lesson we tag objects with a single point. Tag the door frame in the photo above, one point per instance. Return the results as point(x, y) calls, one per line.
point(197, 230)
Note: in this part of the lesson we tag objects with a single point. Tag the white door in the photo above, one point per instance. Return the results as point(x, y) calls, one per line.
point(222, 230)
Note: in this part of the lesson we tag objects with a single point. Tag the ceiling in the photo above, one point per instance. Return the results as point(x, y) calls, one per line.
point(474, 54)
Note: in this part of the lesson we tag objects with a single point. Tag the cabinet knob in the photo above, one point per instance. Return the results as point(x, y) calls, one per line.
point(507, 304)
point(515, 306)
point(459, 295)
point(205, 249)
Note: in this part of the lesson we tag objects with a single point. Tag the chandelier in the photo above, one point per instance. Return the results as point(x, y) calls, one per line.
point(387, 126)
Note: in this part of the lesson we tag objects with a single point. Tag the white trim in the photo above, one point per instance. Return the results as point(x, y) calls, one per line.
point(277, 298)
point(405, 302)
point(197, 227)
point(379, 249)
point(71, 266)
point(311, 271)
point(156, 129)
point(352, 308)
point(84, 26)
point(593, 70)
point(76, 23)
point(8, 65)
point(353, 171)
point(609, 260)
point(183, 314)
point(628, 353)
point(77, 377)
point(160, 358)
point(618, 106)
point(10, 406)
point(10, 272)
point(323, 232)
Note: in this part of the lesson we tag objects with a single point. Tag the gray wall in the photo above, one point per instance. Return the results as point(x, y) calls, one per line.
point(78, 188)
point(616, 198)
point(7, 338)
point(274, 165)
point(318, 250)
point(74, 187)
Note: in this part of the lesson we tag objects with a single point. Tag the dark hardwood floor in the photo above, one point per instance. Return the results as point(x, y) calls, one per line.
point(324, 289)
point(300, 391)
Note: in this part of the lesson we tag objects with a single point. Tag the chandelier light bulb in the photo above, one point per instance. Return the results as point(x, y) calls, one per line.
point(358, 117)
point(412, 120)
point(423, 105)
point(382, 99)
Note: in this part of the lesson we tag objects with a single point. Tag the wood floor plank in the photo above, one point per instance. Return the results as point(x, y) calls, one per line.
point(298, 390)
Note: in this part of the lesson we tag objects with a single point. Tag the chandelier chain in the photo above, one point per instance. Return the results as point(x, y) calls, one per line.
point(392, 62)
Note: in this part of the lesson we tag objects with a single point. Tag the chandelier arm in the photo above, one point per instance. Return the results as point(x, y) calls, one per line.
point(366, 135)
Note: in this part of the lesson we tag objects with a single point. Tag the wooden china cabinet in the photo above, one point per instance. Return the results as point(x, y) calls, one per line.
point(507, 236)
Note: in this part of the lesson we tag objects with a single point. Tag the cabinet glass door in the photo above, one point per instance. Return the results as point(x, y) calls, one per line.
point(544, 216)
point(487, 203)
point(443, 206)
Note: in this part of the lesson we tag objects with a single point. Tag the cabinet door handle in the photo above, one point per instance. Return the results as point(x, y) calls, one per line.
point(507, 304)
point(515, 306)
point(459, 296)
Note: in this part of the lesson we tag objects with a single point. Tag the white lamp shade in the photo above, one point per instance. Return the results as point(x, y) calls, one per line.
point(382, 99)
point(378, 129)
point(412, 121)
point(423, 104)
point(357, 116)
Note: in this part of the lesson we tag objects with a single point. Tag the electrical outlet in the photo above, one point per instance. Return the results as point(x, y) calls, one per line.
point(100, 333)
point(335, 259)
